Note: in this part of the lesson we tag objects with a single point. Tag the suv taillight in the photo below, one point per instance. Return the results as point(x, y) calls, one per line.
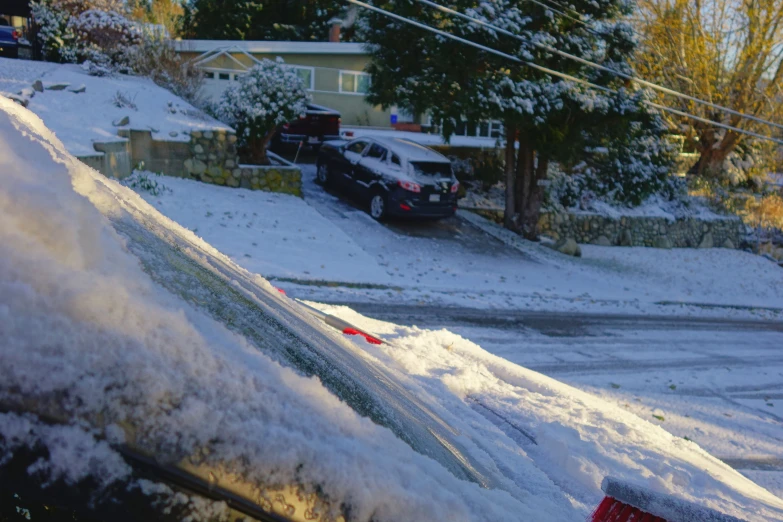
point(15, 35)
point(455, 187)
point(410, 186)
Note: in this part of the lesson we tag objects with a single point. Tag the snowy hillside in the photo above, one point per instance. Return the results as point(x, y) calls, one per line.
point(98, 291)
point(80, 118)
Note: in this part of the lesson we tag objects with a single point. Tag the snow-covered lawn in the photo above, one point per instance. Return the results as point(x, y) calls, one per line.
point(81, 319)
point(269, 234)
point(454, 262)
point(79, 119)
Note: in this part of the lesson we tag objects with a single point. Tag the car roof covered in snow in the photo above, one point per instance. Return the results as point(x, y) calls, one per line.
point(409, 150)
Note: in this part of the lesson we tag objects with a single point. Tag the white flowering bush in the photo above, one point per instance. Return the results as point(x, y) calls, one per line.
point(104, 37)
point(95, 32)
point(267, 96)
point(53, 33)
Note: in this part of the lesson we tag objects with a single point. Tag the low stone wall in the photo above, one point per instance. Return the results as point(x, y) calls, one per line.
point(208, 156)
point(214, 160)
point(164, 156)
point(643, 231)
point(112, 159)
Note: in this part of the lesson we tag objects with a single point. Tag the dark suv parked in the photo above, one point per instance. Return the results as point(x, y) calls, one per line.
point(395, 176)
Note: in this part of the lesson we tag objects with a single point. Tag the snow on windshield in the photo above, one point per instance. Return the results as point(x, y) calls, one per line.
point(86, 333)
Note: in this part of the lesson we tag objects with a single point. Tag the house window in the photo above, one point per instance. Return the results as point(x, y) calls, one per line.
point(307, 74)
point(209, 75)
point(224, 76)
point(495, 129)
point(407, 116)
point(354, 82)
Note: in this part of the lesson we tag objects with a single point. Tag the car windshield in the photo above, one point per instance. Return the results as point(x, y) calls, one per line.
point(427, 168)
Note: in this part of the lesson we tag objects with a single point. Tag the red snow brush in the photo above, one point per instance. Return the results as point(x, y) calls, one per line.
point(626, 502)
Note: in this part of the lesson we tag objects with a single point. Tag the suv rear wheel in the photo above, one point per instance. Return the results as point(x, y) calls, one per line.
point(322, 175)
point(378, 206)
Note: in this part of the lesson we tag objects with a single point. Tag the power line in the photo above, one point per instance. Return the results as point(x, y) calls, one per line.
point(594, 65)
point(551, 71)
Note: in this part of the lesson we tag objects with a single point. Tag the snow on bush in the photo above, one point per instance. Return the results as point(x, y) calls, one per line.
point(621, 169)
point(53, 33)
point(104, 38)
point(268, 95)
point(94, 32)
point(155, 57)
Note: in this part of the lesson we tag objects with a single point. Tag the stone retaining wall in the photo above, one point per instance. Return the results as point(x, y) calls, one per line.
point(209, 156)
point(643, 231)
point(213, 159)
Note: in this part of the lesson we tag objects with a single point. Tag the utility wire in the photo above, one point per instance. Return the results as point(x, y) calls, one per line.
point(551, 71)
point(594, 65)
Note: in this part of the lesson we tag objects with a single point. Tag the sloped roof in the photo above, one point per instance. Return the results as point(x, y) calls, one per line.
point(265, 47)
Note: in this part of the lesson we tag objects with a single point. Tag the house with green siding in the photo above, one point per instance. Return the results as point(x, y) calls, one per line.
point(333, 72)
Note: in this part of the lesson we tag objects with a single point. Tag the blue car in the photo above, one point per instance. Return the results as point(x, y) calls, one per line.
point(12, 43)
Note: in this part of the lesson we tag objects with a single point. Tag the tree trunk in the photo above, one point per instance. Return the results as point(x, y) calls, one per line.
point(258, 148)
point(535, 197)
point(712, 156)
point(525, 167)
point(509, 213)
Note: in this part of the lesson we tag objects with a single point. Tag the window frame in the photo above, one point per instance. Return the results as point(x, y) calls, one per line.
point(358, 140)
point(356, 75)
point(383, 157)
point(310, 87)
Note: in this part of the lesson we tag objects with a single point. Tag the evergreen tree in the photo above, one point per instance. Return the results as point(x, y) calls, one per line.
point(553, 119)
point(295, 20)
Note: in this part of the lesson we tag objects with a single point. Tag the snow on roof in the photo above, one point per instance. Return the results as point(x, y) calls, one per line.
point(265, 47)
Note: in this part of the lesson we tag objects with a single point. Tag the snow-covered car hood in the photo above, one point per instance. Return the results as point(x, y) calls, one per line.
point(127, 328)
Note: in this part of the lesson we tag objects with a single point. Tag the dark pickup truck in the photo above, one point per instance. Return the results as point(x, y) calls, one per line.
point(319, 124)
point(12, 44)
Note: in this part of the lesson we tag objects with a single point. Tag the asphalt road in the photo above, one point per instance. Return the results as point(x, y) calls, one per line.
point(718, 382)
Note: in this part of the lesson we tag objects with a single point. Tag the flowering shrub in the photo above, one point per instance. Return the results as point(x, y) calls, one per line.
point(268, 95)
point(95, 32)
point(104, 37)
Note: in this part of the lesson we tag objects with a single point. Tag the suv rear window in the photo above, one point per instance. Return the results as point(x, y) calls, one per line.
point(432, 169)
